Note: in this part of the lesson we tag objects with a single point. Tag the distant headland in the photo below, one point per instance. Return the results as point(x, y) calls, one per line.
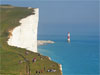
point(44, 42)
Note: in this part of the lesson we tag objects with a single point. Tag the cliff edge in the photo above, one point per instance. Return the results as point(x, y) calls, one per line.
point(16, 59)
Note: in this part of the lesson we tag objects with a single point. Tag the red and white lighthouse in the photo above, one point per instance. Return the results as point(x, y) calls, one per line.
point(68, 37)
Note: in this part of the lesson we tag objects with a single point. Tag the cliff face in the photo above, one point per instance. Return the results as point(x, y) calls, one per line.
point(25, 35)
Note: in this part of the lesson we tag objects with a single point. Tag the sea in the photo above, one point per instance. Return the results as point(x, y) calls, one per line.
point(81, 19)
point(79, 57)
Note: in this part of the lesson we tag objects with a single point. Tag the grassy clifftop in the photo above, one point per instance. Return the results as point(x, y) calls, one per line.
point(15, 61)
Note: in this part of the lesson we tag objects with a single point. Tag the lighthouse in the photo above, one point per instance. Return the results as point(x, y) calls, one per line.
point(68, 37)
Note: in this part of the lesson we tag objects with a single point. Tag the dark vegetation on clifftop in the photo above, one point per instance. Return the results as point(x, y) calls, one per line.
point(15, 61)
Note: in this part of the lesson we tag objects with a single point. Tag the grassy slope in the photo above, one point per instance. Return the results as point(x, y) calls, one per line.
point(10, 56)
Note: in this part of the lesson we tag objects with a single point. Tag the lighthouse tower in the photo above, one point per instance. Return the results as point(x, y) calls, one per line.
point(68, 39)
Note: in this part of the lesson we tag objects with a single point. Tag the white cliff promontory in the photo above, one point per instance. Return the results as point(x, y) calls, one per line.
point(25, 35)
point(44, 42)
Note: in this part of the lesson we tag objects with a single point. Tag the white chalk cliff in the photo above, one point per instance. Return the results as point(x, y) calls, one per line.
point(25, 35)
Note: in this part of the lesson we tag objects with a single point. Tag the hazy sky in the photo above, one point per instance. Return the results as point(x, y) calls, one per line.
point(57, 17)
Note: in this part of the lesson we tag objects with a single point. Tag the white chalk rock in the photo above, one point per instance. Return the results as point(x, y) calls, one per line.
point(25, 35)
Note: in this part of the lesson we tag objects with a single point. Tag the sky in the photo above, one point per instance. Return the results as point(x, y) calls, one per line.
point(57, 17)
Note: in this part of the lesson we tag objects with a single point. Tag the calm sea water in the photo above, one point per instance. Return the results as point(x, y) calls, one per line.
point(81, 18)
point(80, 57)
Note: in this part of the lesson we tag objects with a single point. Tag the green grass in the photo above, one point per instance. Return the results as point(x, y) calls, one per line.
point(10, 56)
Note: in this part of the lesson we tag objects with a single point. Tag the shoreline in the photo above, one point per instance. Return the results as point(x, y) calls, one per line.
point(13, 42)
point(45, 42)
